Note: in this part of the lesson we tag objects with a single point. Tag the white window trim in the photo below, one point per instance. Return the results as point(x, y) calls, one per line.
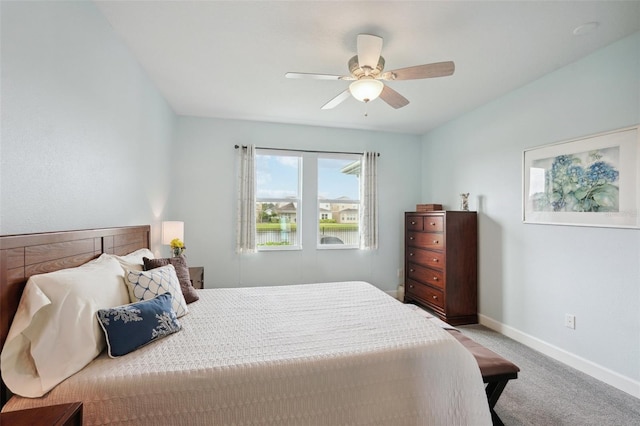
point(302, 206)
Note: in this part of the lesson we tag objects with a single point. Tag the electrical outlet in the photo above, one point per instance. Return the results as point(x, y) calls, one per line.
point(400, 273)
point(570, 321)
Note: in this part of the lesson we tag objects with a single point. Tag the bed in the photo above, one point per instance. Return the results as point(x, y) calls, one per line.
point(317, 354)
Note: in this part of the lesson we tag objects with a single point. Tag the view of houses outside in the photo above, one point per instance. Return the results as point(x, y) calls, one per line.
point(277, 201)
point(277, 222)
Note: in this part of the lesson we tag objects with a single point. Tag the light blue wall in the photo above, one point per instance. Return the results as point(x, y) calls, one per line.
point(85, 137)
point(87, 141)
point(204, 197)
point(531, 275)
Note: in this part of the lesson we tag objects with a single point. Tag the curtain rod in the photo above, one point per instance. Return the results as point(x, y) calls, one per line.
point(306, 150)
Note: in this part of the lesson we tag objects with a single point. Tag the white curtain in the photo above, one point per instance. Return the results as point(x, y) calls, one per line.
point(246, 221)
point(369, 201)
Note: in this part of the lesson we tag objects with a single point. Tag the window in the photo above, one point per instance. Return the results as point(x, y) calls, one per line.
point(338, 200)
point(332, 180)
point(278, 199)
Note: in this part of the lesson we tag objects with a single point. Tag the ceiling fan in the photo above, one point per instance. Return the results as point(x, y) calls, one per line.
point(366, 72)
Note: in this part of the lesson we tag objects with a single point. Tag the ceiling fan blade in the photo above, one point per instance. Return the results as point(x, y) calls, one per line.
point(439, 69)
point(337, 100)
point(317, 76)
point(393, 98)
point(369, 49)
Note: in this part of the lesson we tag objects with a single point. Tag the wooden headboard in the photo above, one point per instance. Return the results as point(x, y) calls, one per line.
point(29, 254)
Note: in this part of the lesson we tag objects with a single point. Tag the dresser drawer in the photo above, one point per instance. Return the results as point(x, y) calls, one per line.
point(425, 240)
point(413, 223)
point(426, 275)
point(425, 293)
point(433, 259)
point(433, 223)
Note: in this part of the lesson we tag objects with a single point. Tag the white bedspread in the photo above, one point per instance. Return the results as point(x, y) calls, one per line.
point(314, 354)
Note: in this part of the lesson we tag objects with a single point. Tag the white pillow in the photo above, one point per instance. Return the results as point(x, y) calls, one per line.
point(55, 332)
point(145, 285)
point(133, 261)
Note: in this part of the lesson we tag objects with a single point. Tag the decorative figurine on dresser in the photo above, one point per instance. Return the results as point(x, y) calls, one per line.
point(441, 263)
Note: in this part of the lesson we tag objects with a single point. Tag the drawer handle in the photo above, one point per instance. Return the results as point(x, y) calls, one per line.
point(411, 270)
point(433, 224)
point(413, 223)
point(434, 259)
point(435, 278)
point(435, 241)
point(410, 285)
point(411, 238)
point(410, 254)
point(435, 297)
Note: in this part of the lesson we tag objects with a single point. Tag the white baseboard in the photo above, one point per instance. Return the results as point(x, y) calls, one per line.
point(599, 372)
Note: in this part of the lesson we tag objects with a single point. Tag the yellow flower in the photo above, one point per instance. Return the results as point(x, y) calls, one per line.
point(177, 243)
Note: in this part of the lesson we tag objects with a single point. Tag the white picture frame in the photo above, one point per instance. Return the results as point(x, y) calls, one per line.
point(590, 181)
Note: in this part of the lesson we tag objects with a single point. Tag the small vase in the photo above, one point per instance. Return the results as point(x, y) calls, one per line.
point(177, 252)
point(464, 201)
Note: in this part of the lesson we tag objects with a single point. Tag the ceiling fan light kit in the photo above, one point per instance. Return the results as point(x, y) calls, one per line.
point(366, 90)
point(365, 70)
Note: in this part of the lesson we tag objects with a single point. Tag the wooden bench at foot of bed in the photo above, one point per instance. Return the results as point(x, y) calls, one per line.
point(496, 371)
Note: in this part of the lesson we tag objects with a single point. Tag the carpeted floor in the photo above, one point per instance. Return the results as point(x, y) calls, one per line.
point(548, 392)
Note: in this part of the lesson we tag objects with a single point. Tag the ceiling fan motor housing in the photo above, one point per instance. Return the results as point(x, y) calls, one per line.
point(357, 72)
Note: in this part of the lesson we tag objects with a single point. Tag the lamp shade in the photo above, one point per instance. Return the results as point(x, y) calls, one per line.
point(366, 90)
point(171, 230)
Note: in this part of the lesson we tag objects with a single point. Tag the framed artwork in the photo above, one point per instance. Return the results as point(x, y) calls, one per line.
point(591, 181)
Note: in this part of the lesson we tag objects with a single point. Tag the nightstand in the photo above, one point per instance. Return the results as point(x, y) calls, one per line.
point(197, 276)
point(52, 415)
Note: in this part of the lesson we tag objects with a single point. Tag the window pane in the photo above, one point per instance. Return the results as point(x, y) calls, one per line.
point(276, 224)
point(277, 176)
point(277, 200)
point(338, 200)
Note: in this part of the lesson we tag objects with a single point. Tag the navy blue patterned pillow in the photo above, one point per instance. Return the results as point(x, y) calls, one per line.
point(129, 327)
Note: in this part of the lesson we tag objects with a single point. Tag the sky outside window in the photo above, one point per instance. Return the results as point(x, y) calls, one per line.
point(277, 176)
point(333, 183)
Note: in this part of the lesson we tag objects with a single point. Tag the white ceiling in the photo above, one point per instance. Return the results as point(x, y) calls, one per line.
point(227, 59)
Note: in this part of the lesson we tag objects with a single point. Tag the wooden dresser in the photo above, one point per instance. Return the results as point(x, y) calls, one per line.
point(441, 264)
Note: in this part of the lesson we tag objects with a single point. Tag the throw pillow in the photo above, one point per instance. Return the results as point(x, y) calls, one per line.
point(182, 271)
point(145, 285)
point(132, 326)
